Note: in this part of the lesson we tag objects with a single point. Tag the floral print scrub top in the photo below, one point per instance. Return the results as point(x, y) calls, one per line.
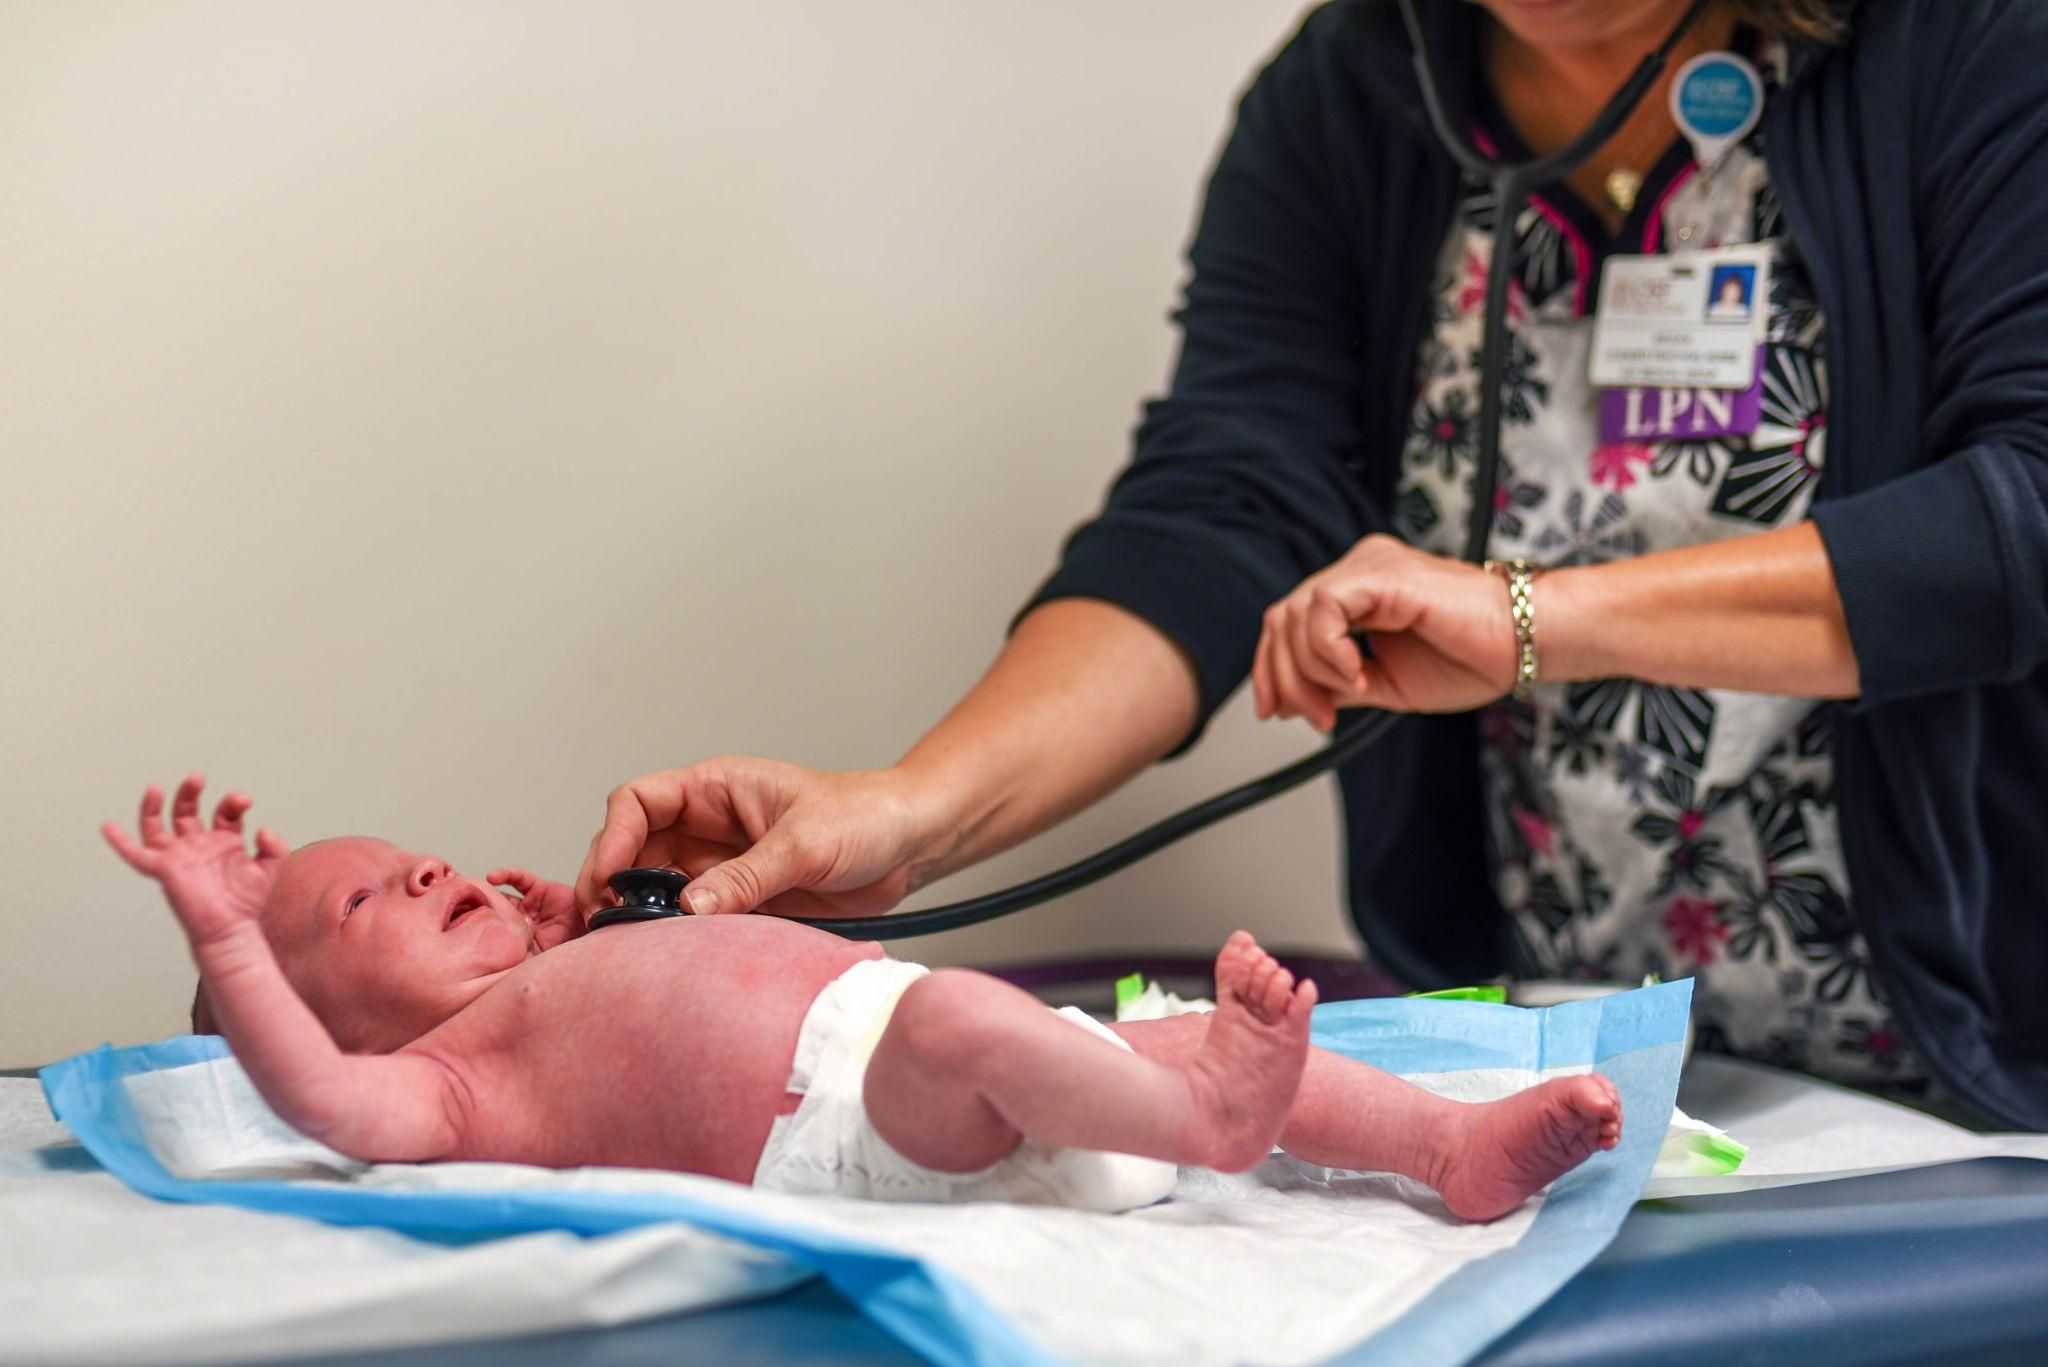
point(1636, 829)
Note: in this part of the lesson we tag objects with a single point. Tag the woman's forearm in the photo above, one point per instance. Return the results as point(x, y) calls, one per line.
point(1759, 614)
point(1083, 697)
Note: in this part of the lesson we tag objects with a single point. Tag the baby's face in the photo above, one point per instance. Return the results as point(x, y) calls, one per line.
point(383, 944)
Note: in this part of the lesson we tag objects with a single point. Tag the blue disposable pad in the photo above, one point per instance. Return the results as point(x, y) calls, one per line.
point(1634, 1038)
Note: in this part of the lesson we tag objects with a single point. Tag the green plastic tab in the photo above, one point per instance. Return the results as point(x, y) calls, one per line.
point(1489, 992)
point(1723, 1153)
point(1129, 989)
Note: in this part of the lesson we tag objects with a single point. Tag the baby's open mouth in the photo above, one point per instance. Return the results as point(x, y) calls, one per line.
point(461, 905)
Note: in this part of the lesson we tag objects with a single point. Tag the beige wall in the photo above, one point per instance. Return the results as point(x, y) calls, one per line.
point(427, 416)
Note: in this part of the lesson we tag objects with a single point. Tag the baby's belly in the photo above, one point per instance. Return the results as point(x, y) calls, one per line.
point(664, 1045)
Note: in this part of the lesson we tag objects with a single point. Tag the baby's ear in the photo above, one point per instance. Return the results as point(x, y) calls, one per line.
point(202, 1012)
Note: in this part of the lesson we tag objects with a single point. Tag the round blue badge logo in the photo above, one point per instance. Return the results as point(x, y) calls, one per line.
point(1716, 99)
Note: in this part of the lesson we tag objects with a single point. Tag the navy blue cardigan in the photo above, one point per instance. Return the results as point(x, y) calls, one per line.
point(1913, 168)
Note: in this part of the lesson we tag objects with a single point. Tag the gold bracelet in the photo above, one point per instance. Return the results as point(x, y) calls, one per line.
point(1521, 577)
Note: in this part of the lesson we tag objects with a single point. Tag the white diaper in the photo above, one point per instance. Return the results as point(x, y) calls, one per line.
point(827, 1146)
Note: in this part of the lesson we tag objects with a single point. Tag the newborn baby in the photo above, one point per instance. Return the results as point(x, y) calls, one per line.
point(399, 1012)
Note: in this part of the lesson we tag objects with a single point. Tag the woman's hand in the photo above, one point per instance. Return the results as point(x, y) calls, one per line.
point(213, 884)
point(1442, 634)
point(760, 834)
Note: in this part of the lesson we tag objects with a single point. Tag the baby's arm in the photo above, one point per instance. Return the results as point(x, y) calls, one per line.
point(403, 1107)
point(381, 1108)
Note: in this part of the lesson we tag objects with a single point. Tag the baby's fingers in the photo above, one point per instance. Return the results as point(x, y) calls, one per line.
point(270, 846)
point(185, 806)
point(141, 860)
point(150, 820)
point(228, 815)
point(517, 879)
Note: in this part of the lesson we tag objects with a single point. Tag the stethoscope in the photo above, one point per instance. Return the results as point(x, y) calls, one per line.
point(652, 893)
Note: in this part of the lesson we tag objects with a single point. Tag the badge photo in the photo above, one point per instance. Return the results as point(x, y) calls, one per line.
point(1731, 293)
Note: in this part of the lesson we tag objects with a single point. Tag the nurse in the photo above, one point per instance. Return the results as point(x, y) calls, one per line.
point(1757, 690)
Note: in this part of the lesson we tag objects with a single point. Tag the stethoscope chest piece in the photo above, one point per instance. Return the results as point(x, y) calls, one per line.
point(645, 895)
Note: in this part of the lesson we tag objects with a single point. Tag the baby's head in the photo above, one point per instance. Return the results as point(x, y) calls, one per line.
point(383, 944)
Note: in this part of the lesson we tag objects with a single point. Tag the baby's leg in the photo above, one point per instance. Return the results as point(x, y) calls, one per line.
point(969, 1065)
point(1485, 1159)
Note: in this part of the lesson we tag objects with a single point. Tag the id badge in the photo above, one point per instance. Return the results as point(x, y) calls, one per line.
point(1689, 320)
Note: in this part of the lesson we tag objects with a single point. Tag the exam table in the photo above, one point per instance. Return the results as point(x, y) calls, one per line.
point(1947, 1263)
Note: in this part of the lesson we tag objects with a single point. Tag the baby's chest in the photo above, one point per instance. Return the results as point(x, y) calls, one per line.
point(628, 1072)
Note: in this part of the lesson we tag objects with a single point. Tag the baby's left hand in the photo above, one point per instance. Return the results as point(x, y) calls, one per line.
point(550, 906)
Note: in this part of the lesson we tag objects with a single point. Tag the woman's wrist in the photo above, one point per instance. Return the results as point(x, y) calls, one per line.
point(944, 803)
point(1574, 623)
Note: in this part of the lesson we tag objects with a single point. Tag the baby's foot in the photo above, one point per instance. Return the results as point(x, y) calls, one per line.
point(1248, 1067)
point(1515, 1147)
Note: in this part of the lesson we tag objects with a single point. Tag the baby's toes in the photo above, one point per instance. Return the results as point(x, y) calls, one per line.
point(1258, 988)
point(1234, 965)
point(1594, 1096)
point(1278, 989)
point(1302, 1000)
